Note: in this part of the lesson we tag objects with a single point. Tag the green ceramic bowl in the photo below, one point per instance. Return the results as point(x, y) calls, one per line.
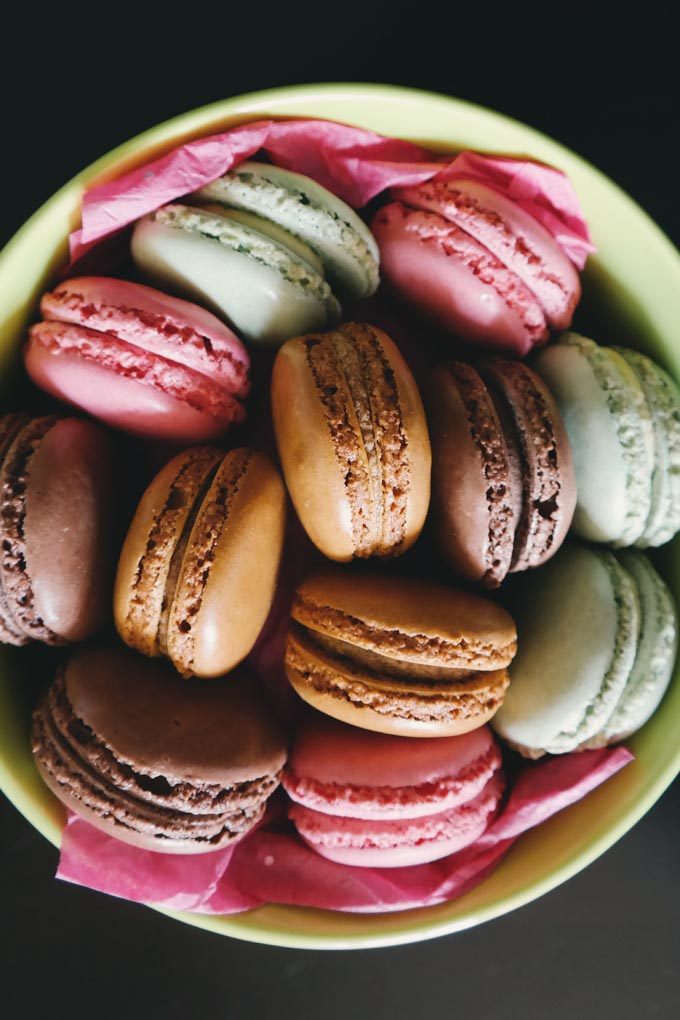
point(632, 286)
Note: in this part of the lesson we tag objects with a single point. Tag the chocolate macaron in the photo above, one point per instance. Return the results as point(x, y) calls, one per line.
point(353, 441)
point(55, 529)
point(405, 657)
point(198, 567)
point(124, 743)
point(503, 486)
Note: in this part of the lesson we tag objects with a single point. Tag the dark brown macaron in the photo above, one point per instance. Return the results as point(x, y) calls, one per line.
point(353, 441)
point(55, 529)
point(406, 657)
point(503, 485)
point(126, 744)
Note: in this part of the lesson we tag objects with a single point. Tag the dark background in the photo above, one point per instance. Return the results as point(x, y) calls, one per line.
point(600, 78)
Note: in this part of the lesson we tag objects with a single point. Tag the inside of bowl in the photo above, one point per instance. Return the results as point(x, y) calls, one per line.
point(631, 296)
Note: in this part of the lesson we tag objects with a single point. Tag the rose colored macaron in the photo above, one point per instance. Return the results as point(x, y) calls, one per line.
point(472, 259)
point(398, 656)
point(372, 800)
point(55, 528)
point(138, 359)
point(353, 441)
point(503, 480)
point(127, 745)
point(198, 567)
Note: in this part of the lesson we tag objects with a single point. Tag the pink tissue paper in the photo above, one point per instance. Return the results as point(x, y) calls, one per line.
point(355, 164)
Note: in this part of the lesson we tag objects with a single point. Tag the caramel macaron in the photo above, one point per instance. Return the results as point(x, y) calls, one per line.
point(405, 657)
point(503, 485)
point(198, 568)
point(353, 441)
point(157, 763)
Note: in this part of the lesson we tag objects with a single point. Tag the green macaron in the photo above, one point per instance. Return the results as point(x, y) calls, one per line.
point(307, 210)
point(267, 284)
point(577, 625)
point(622, 415)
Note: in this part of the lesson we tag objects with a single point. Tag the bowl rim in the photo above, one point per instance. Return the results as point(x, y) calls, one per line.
point(401, 927)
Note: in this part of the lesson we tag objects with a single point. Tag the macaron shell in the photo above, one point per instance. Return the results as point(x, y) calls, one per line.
point(511, 234)
point(150, 718)
point(415, 621)
point(342, 770)
point(67, 528)
point(577, 624)
point(151, 540)
point(253, 297)
point(398, 843)
point(449, 276)
point(176, 329)
point(242, 548)
point(471, 477)
point(126, 387)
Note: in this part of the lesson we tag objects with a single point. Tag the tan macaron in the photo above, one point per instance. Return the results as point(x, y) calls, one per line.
point(198, 568)
point(353, 441)
point(406, 657)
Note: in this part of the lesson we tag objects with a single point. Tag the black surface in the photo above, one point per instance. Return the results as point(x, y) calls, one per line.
point(602, 80)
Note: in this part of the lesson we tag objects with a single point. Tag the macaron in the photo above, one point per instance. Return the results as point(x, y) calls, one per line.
point(597, 638)
point(476, 262)
point(125, 744)
point(331, 228)
point(259, 277)
point(503, 485)
point(353, 441)
point(138, 359)
point(398, 656)
point(198, 567)
point(372, 800)
point(56, 489)
point(622, 415)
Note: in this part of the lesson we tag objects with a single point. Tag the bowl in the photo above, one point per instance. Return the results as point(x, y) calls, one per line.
point(632, 286)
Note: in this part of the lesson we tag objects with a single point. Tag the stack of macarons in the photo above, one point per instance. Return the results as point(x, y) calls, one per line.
point(408, 686)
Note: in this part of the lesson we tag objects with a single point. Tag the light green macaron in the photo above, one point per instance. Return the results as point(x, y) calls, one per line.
point(609, 425)
point(330, 227)
point(268, 284)
point(597, 637)
point(622, 415)
point(577, 627)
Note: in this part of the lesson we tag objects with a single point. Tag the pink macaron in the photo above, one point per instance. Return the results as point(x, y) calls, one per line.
point(374, 800)
point(477, 263)
point(142, 361)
